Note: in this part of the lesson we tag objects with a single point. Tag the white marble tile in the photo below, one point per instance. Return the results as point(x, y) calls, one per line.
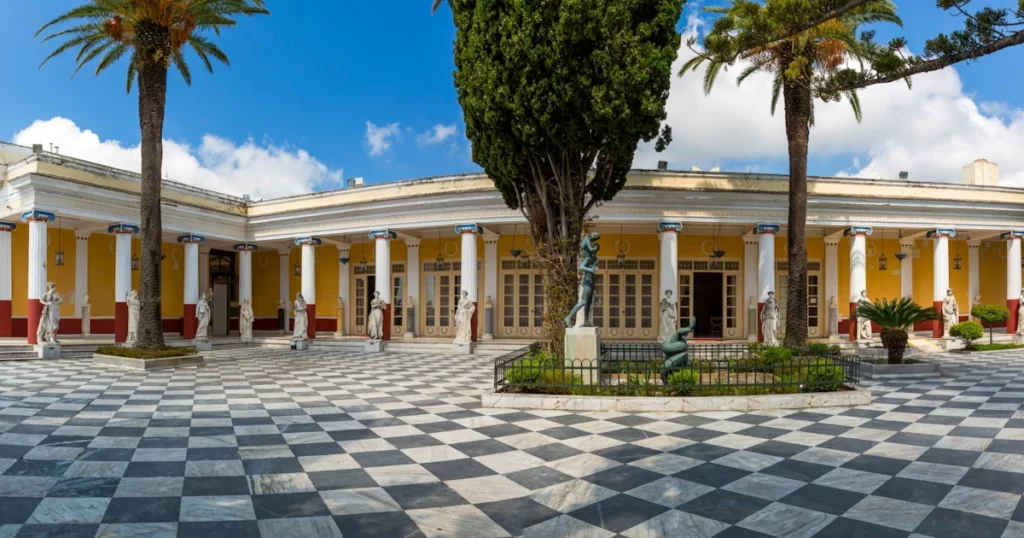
point(572, 495)
point(825, 456)
point(459, 436)
point(934, 472)
point(963, 443)
point(748, 461)
point(433, 454)
point(60, 510)
point(981, 501)
point(217, 508)
point(565, 527)
point(509, 462)
point(269, 484)
point(137, 530)
point(789, 521)
point(736, 441)
point(764, 486)
point(321, 527)
point(582, 465)
point(159, 454)
point(358, 501)
point(852, 480)
point(676, 523)
point(96, 469)
point(997, 461)
point(214, 468)
point(889, 512)
point(897, 451)
point(666, 464)
point(54, 453)
point(455, 522)
point(265, 452)
point(150, 487)
point(397, 475)
point(670, 491)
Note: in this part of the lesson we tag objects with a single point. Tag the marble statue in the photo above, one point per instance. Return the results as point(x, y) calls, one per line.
point(300, 332)
point(49, 319)
point(133, 317)
point(588, 265)
point(1020, 314)
point(675, 350)
point(833, 316)
point(668, 318)
point(202, 317)
point(863, 324)
point(770, 320)
point(752, 315)
point(86, 316)
point(464, 319)
point(487, 302)
point(245, 318)
point(950, 313)
point(375, 321)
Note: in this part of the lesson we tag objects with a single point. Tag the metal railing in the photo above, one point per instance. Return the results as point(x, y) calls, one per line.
point(639, 370)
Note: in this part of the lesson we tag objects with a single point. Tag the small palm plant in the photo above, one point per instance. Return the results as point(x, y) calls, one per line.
point(895, 317)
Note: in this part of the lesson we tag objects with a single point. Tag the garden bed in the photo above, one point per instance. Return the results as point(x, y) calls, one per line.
point(138, 359)
point(879, 368)
point(649, 404)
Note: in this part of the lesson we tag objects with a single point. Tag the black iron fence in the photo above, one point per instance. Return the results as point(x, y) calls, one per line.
point(640, 370)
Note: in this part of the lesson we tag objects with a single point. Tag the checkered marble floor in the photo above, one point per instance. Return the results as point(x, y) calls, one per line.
point(260, 442)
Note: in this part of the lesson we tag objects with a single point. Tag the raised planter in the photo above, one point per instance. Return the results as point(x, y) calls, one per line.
point(147, 364)
point(879, 369)
point(667, 404)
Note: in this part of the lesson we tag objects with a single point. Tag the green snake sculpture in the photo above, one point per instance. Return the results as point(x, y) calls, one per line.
point(676, 350)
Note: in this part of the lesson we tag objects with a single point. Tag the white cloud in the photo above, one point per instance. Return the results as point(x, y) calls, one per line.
point(380, 138)
point(932, 131)
point(263, 170)
point(437, 134)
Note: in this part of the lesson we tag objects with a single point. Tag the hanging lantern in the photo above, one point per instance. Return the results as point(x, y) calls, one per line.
point(362, 258)
point(883, 263)
point(59, 255)
point(620, 254)
point(135, 262)
point(958, 262)
point(717, 253)
point(514, 252)
point(440, 251)
point(298, 269)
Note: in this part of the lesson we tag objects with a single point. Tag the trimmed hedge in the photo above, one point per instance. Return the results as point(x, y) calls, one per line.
point(136, 353)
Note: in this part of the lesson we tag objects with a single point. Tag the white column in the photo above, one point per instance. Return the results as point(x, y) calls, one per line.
point(858, 270)
point(469, 283)
point(974, 273)
point(668, 262)
point(490, 284)
point(36, 267)
point(907, 267)
point(309, 245)
point(343, 288)
point(382, 273)
point(412, 286)
point(832, 284)
point(204, 270)
point(190, 293)
point(284, 277)
point(81, 271)
point(5, 277)
point(750, 291)
point(940, 274)
point(245, 270)
point(1013, 278)
point(765, 263)
point(123, 234)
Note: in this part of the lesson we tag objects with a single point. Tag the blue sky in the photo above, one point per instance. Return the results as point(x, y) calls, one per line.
point(310, 80)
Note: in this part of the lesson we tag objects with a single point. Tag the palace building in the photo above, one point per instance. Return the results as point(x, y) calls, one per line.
point(717, 240)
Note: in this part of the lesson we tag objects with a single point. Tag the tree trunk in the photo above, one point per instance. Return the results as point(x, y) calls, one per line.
point(558, 259)
point(152, 99)
point(797, 99)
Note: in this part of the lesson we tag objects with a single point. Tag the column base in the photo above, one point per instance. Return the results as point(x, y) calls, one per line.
point(937, 326)
point(48, 351)
point(487, 336)
point(202, 345)
point(373, 346)
point(300, 345)
point(245, 339)
point(6, 328)
point(409, 334)
point(758, 334)
point(1012, 322)
point(853, 321)
point(462, 348)
point(310, 321)
point(386, 325)
point(189, 323)
point(35, 310)
point(339, 335)
point(121, 322)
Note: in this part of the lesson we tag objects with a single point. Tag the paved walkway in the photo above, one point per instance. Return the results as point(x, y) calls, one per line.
point(274, 443)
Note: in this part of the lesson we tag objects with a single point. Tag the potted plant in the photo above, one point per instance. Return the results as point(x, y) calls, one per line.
point(990, 314)
point(895, 317)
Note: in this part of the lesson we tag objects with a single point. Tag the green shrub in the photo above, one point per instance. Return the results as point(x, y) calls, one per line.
point(824, 378)
point(525, 372)
point(136, 353)
point(755, 349)
point(996, 347)
point(834, 349)
point(968, 331)
point(990, 314)
point(823, 350)
point(684, 381)
point(776, 355)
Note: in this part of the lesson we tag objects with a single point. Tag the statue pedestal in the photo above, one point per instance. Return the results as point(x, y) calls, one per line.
point(373, 346)
point(862, 344)
point(203, 345)
point(48, 351)
point(1018, 339)
point(583, 353)
point(951, 344)
point(462, 348)
point(245, 339)
point(300, 345)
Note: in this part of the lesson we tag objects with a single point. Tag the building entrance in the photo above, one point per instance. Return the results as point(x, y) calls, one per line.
point(707, 304)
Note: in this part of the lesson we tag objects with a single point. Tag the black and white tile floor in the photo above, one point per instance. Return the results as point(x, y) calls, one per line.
point(271, 443)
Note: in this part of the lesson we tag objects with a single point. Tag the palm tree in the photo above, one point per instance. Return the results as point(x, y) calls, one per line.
point(895, 317)
point(796, 62)
point(153, 34)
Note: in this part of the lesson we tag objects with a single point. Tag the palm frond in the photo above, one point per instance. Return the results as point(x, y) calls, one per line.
point(895, 314)
point(776, 90)
point(855, 104)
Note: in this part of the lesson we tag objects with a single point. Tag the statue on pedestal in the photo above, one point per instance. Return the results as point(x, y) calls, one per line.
point(464, 319)
point(1020, 314)
point(375, 321)
point(668, 318)
point(86, 316)
point(202, 317)
point(246, 318)
point(588, 265)
point(833, 316)
point(770, 320)
point(49, 319)
point(133, 317)
point(863, 324)
point(950, 313)
point(301, 319)
point(675, 350)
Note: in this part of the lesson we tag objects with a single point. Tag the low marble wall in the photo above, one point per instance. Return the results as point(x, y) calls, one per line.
point(896, 371)
point(645, 404)
point(147, 364)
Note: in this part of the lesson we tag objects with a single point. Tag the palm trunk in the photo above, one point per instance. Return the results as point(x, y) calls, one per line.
point(797, 99)
point(152, 100)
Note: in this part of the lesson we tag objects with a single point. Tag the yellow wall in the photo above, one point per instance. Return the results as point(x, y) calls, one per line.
point(266, 283)
point(993, 273)
point(63, 277)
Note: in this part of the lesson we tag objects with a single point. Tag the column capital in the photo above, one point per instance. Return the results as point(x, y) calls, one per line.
point(191, 238)
point(857, 230)
point(761, 229)
point(245, 246)
point(38, 215)
point(469, 229)
point(303, 241)
point(670, 226)
point(122, 228)
point(940, 232)
point(382, 234)
point(1013, 234)
point(8, 226)
point(831, 241)
point(413, 242)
